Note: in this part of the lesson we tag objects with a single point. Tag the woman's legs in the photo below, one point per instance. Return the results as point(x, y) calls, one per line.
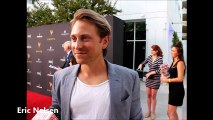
point(172, 112)
point(148, 92)
point(153, 101)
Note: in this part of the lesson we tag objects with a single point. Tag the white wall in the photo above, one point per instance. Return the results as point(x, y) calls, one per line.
point(155, 14)
point(156, 34)
point(156, 19)
point(175, 15)
point(158, 15)
point(185, 50)
point(131, 10)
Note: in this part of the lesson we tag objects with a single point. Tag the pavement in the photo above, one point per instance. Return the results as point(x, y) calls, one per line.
point(162, 102)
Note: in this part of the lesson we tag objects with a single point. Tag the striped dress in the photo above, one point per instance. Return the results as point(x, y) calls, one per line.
point(153, 82)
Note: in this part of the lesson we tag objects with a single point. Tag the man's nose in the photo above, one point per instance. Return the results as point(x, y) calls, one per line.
point(77, 44)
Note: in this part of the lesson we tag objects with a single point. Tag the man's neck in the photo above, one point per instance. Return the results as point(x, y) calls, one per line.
point(93, 73)
point(93, 67)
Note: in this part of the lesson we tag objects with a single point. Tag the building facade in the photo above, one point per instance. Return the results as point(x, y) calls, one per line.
point(161, 19)
point(146, 23)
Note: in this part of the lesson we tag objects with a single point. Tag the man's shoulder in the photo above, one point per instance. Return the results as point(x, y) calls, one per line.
point(63, 72)
point(122, 69)
point(66, 71)
point(125, 74)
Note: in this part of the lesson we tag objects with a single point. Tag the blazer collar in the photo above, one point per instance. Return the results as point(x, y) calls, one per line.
point(115, 89)
point(68, 84)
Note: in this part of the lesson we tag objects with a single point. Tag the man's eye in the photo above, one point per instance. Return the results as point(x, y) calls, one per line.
point(85, 38)
point(73, 38)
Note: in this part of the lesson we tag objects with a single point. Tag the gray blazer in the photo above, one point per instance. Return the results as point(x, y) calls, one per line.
point(124, 92)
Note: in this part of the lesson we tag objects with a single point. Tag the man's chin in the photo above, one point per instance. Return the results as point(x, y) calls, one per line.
point(79, 61)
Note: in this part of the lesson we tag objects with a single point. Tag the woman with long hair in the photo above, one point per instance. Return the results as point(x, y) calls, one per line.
point(176, 87)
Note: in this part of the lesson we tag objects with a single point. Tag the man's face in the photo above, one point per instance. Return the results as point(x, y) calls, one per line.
point(87, 46)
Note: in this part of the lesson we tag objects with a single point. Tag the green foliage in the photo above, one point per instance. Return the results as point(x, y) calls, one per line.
point(40, 15)
point(175, 39)
point(64, 10)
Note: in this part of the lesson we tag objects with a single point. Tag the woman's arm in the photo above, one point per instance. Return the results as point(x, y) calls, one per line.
point(180, 72)
point(140, 67)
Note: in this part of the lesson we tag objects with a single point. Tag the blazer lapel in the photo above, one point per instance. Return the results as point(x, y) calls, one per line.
point(115, 90)
point(67, 89)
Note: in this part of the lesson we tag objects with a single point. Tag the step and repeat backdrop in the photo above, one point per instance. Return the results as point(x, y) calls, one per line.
point(44, 49)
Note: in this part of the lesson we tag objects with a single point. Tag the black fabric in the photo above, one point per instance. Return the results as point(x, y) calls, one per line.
point(150, 77)
point(67, 61)
point(176, 89)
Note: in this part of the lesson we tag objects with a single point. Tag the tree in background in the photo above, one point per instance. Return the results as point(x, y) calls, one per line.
point(175, 39)
point(41, 14)
point(63, 11)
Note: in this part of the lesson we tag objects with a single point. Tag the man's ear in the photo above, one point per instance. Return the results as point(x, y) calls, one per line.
point(105, 42)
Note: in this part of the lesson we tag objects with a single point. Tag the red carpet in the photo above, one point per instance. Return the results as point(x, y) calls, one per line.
point(36, 101)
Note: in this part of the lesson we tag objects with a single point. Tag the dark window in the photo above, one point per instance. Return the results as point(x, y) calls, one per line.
point(129, 31)
point(140, 31)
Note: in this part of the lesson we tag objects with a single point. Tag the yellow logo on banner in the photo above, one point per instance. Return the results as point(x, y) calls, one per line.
point(28, 58)
point(51, 34)
point(39, 48)
point(50, 85)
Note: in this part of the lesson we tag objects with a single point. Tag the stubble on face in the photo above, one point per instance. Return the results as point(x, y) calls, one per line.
point(86, 45)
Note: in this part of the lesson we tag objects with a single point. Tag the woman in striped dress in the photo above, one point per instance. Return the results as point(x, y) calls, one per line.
point(152, 78)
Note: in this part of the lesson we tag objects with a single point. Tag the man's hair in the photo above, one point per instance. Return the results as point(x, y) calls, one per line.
point(67, 43)
point(102, 25)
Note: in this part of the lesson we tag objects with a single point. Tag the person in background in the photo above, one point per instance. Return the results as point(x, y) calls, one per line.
point(72, 61)
point(152, 78)
point(94, 88)
point(67, 48)
point(176, 87)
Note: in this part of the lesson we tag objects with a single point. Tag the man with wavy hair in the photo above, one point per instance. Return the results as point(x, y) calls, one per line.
point(94, 88)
